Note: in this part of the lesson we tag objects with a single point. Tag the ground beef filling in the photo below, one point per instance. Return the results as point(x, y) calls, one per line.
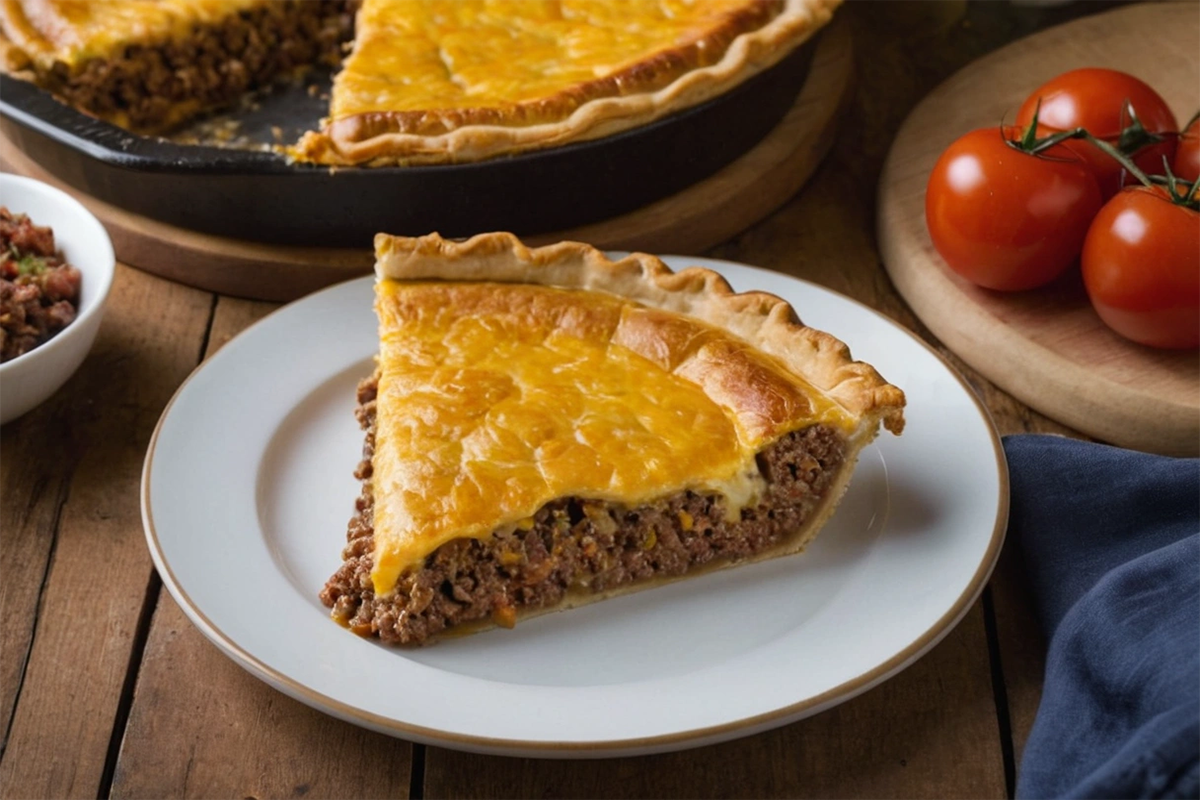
point(571, 544)
point(150, 87)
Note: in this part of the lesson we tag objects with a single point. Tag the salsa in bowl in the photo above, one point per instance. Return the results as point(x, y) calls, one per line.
point(56, 270)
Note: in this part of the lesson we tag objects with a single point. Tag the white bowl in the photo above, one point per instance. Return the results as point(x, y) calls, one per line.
point(32, 377)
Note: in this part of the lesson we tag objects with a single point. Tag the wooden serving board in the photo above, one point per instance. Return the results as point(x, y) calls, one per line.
point(1047, 346)
point(691, 221)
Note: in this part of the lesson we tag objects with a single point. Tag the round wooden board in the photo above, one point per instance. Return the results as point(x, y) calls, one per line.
point(691, 221)
point(1047, 347)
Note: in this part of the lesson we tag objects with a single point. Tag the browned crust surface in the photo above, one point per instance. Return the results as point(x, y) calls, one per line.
point(649, 74)
point(745, 43)
point(763, 397)
point(765, 321)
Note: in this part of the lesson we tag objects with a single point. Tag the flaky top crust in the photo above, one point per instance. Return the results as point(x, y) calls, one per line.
point(664, 82)
point(765, 321)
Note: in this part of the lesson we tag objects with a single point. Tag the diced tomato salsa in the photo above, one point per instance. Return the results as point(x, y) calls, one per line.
point(39, 293)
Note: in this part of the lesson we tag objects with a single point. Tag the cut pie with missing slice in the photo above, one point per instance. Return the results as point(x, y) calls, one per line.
point(547, 427)
point(427, 81)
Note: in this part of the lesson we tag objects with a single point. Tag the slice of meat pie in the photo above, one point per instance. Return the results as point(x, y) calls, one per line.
point(547, 427)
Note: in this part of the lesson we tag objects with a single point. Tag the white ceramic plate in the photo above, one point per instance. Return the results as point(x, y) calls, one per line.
point(248, 487)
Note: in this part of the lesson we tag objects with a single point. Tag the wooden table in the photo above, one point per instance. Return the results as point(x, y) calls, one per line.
point(107, 690)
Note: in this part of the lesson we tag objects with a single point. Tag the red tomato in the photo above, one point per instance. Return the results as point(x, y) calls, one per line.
point(1003, 218)
point(1187, 157)
point(1141, 267)
point(1095, 99)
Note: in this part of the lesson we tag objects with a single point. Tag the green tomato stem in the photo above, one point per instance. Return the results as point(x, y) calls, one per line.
point(1122, 159)
point(1029, 143)
point(1030, 138)
point(1187, 199)
point(1134, 136)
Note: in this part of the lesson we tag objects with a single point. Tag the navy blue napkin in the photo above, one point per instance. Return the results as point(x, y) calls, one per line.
point(1110, 540)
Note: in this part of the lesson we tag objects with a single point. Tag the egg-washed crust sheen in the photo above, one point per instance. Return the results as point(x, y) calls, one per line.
point(763, 320)
point(749, 40)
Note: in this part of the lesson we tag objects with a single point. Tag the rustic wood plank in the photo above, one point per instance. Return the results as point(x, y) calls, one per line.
point(200, 726)
point(232, 317)
point(34, 492)
point(897, 740)
point(102, 419)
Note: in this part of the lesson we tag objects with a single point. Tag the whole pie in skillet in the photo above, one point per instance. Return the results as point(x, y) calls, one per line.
point(427, 81)
point(546, 428)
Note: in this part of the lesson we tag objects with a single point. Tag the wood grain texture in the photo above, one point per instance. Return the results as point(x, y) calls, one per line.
point(896, 740)
point(95, 588)
point(700, 216)
point(34, 493)
point(200, 726)
point(1047, 347)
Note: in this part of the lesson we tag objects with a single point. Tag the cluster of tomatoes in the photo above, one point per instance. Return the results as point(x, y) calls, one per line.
point(1096, 171)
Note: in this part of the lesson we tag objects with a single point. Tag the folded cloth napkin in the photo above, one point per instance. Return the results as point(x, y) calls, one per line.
point(1110, 540)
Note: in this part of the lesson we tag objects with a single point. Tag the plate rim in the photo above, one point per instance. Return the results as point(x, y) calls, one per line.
point(845, 690)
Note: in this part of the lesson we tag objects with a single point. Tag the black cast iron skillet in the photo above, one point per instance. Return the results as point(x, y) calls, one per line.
point(259, 196)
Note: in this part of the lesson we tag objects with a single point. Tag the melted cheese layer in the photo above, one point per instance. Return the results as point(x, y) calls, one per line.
point(494, 400)
point(431, 55)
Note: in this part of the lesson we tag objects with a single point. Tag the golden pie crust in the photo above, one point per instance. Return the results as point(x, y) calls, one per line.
point(531, 80)
point(474, 334)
